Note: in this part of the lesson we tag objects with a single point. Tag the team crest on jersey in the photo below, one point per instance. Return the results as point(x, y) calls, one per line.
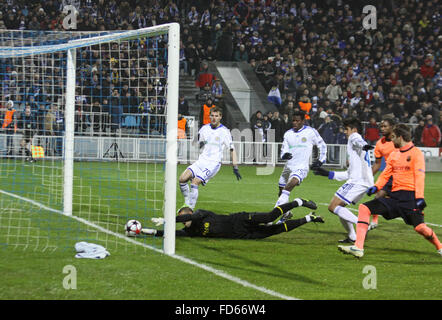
point(304, 139)
point(408, 158)
point(217, 138)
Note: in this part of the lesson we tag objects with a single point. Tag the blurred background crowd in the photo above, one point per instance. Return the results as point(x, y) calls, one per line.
point(314, 54)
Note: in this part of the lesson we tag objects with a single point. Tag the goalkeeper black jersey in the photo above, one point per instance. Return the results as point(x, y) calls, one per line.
point(208, 224)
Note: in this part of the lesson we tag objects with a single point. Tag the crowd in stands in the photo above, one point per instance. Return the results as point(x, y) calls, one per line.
point(316, 54)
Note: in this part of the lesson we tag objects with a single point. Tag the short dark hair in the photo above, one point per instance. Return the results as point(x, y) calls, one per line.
point(391, 121)
point(299, 113)
point(185, 210)
point(402, 130)
point(352, 123)
point(217, 109)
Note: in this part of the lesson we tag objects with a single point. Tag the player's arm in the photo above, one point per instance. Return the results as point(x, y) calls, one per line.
point(201, 138)
point(332, 175)
point(233, 156)
point(322, 147)
point(378, 162)
point(383, 178)
point(419, 175)
point(377, 165)
point(285, 149)
point(197, 215)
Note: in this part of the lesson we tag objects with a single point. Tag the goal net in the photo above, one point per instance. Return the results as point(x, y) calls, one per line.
point(88, 136)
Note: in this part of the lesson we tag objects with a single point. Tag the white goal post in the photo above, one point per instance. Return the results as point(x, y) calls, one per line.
point(69, 47)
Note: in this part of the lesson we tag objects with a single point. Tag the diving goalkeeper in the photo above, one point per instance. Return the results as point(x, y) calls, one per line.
point(241, 225)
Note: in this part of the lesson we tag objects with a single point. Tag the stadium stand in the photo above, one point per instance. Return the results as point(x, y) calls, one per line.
point(315, 52)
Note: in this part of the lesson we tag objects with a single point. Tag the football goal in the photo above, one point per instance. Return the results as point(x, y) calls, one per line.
point(89, 136)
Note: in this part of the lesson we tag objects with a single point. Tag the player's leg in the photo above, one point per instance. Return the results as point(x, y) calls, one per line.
point(193, 194)
point(415, 217)
point(429, 234)
point(264, 231)
point(365, 211)
point(184, 185)
point(386, 190)
point(285, 193)
point(266, 217)
point(347, 218)
point(283, 179)
point(348, 193)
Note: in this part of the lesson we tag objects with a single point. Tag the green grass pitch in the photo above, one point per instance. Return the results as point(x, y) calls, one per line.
point(303, 263)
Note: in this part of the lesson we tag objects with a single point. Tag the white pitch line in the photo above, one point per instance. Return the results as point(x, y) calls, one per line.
point(217, 272)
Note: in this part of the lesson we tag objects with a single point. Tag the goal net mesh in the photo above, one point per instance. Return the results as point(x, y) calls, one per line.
point(119, 140)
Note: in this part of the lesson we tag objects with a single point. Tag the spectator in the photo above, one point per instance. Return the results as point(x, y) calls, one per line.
point(205, 76)
point(205, 92)
point(183, 106)
point(28, 125)
point(416, 117)
point(333, 91)
point(255, 117)
point(306, 106)
point(372, 132)
point(240, 54)
point(328, 130)
point(115, 111)
point(9, 126)
point(417, 137)
point(183, 127)
point(205, 111)
point(58, 129)
point(224, 47)
point(431, 135)
point(49, 123)
point(341, 138)
point(277, 124)
point(217, 92)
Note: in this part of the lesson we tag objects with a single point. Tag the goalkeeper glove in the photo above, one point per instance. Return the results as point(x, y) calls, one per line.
point(158, 221)
point(372, 190)
point(286, 156)
point(421, 204)
point(321, 172)
point(236, 173)
point(367, 147)
point(316, 164)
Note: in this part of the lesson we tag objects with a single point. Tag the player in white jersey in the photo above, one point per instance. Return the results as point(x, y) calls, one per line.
point(297, 148)
point(213, 138)
point(359, 176)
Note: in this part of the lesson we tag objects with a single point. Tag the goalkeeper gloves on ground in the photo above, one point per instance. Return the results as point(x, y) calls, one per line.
point(158, 221)
point(286, 156)
point(236, 173)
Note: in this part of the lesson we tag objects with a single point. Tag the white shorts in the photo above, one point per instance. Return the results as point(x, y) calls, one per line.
point(204, 170)
point(351, 193)
point(288, 173)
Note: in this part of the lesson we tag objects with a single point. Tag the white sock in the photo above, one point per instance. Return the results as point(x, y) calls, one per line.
point(193, 196)
point(349, 227)
point(346, 214)
point(348, 220)
point(283, 198)
point(308, 218)
point(184, 187)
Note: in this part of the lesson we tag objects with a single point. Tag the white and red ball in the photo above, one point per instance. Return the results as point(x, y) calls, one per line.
point(132, 228)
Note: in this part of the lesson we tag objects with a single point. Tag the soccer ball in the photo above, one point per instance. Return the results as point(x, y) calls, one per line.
point(132, 228)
